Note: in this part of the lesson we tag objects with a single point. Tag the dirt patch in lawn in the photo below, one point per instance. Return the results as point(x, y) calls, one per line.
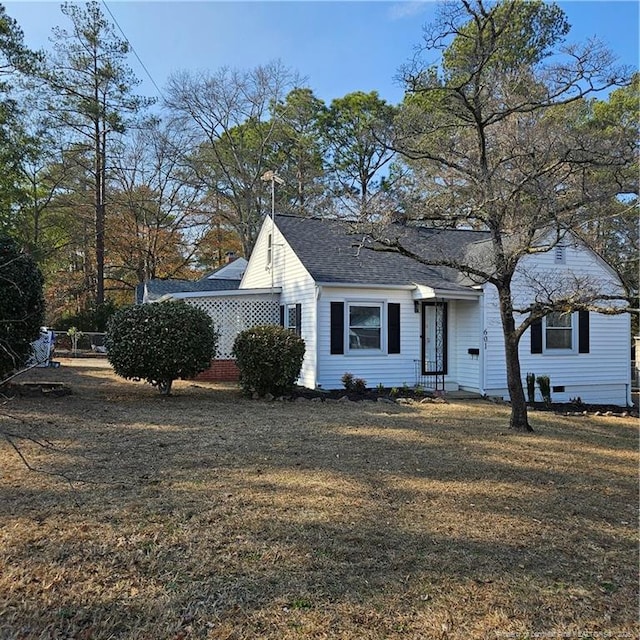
point(207, 515)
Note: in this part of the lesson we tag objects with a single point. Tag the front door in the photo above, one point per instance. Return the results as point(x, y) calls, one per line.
point(434, 338)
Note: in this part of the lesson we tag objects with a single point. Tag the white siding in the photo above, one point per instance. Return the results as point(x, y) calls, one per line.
point(600, 376)
point(257, 275)
point(390, 370)
point(395, 370)
point(495, 376)
point(298, 287)
point(465, 319)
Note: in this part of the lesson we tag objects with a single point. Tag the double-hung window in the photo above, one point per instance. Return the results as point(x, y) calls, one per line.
point(559, 331)
point(365, 326)
point(293, 318)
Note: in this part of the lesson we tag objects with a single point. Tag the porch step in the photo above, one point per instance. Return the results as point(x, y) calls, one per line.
point(462, 395)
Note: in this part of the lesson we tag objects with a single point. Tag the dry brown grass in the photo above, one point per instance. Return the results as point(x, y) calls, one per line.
point(206, 515)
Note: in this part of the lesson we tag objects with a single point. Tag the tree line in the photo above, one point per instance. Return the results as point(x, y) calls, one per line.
point(107, 191)
point(505, 126)
point(107, 188)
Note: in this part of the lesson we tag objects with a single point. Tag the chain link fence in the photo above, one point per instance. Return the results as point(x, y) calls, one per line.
point(86, 344)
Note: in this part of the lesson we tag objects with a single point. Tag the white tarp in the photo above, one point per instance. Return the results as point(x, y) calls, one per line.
point(42, 349)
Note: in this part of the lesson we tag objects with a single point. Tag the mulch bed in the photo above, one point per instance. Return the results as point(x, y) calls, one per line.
point(577, 409)
point(404, 395)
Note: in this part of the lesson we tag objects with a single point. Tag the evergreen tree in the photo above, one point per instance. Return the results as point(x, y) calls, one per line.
point(92, 100)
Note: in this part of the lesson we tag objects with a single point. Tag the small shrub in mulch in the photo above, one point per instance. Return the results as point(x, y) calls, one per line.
point(573, 408)
point(394, 395)
point(269, 359)
point(358, 394)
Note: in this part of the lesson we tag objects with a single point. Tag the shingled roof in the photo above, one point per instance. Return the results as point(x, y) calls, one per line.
point(157, 288)
point(226, 277)
point(333, 253)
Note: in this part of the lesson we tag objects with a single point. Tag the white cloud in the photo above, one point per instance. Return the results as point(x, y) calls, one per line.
point(402, 10)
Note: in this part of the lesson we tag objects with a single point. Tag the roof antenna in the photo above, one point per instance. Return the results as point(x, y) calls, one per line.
point(272, 177)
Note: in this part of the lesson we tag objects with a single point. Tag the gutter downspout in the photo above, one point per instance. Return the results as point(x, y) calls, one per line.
point(317, 330)
point(483, 347)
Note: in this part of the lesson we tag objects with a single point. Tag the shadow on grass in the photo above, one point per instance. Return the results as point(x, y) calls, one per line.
point(206, 510)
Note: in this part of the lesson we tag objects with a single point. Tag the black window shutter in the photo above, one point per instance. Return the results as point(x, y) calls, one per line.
point(298, 319)
point(583, 332)
point(337, 327)
point(393, 327)
point(282, 315)
point(536, 337)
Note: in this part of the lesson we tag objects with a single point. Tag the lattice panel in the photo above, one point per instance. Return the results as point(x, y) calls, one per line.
point(231, 315)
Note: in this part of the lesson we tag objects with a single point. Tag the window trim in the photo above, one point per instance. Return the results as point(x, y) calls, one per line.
point(381, 305)
point(574, 338)
point(290, 309)
point(269, 248)
point(294, 309)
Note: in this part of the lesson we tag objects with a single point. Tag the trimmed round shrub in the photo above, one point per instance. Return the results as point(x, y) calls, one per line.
point(21, 305)
point(269, 359)
point(160, 342)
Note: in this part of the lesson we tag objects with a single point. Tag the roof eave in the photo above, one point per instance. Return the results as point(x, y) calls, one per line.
point(365, 285)
point(222, 293)
point(422, 292)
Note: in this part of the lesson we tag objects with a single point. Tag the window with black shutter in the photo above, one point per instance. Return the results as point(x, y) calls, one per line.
point(393, 327)
point(583, 332)
point(561, 333)
point(337, 328)
point(536, 336)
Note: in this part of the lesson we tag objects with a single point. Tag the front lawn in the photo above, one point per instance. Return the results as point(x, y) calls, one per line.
point(206, 515)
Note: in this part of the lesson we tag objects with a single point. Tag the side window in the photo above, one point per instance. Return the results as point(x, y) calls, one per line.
point(561, 333)
point(269, 248)
point(365, 327)
point(293, 318)
point(558, 331)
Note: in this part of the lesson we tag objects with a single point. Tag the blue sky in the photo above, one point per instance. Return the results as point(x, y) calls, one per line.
point(338, 46)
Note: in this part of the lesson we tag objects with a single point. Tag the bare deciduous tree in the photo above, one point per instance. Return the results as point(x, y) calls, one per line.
point(231, 116)
point(161, 215)
point(496, 136)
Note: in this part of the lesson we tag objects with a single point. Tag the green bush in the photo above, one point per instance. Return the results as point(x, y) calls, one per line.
point(359, 385)
point(160, 342)
point(531, 387)
point(21, 305)
point(269, 359)
point(347, 380)
point(94, 318)
point(544, 383)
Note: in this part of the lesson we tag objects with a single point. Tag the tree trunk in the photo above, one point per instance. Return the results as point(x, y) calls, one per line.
point(101, 140)
point(99, 254)
point(519, 419)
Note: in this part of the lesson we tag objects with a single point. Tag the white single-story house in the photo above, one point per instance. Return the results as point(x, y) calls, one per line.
point(393, 321)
